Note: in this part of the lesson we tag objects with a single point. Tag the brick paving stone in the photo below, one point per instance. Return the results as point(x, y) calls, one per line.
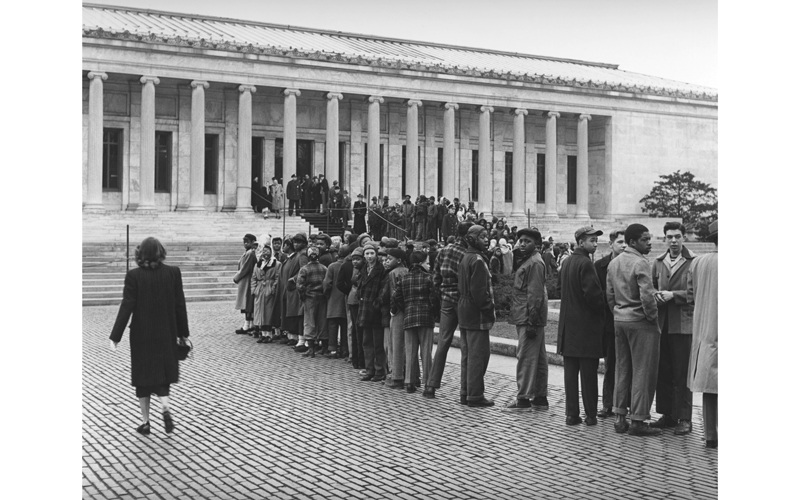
point(244, 413)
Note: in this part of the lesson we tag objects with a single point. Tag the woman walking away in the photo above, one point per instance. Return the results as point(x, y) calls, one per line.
point(153, 294)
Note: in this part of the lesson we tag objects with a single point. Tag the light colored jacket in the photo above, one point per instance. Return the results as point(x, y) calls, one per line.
point(703, 293)
point(629, 288)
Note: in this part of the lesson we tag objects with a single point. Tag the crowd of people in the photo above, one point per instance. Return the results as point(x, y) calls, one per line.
point(372, 298)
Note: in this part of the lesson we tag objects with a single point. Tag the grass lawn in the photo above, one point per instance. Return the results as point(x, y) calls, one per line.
point(503, 329)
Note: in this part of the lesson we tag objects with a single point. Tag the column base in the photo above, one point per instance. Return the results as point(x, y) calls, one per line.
point(244, 210)
point(550, 215)
point(192, 209)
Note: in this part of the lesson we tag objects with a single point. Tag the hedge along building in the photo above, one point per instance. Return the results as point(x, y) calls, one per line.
point(181, 112)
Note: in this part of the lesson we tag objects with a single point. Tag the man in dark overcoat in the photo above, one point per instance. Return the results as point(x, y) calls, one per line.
point(359, 211)
point(244, 297)
point(293, 194)
point(580, 326)
point(407, 209)
point(617, 244)
point(324, 191)
point(307, 193)
point(370, 318)
point(291, 303)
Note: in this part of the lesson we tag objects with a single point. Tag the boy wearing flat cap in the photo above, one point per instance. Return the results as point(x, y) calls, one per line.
point(529, 314)
point(244, 297)
point(580, 326)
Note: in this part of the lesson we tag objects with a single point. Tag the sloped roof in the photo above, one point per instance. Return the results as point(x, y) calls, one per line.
point(105, 21)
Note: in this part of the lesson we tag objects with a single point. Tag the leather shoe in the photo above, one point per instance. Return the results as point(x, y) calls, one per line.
point(463, 400)
point(242, 331)
point(540, 401)
point(621, 426)
point(144, 428)
point(410, 388)
point(605, 413)
point(591, 420)
point(711, 443)
point(301, 348)
point(429, 392)
point(169, 425)
point(481, 403)
point(573, 420)
point(664, 422)
point(683, 428)
point(379, 378)
point(366, 378)
point(640, 428)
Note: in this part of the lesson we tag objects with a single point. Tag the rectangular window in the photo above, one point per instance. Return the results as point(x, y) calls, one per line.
point(403, 173)
point(112, 159)
point(572, 179)
point(540, 178)
point(341, 165)
point(256, 161)
point(439, 171)
point(279, 160)
point(211, 164)
point(509, 175)
point(163, 164)
point(475, 163)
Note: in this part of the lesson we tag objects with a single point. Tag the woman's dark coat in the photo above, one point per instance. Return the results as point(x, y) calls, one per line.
point(155, 299)
point(359, 211)
point(582, 317)
point(369, 297)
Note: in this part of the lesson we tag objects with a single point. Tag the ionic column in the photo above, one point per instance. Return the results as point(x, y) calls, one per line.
point(197, 157)
point(147, 158)
point(518, 175)
point(374, 146)
point(485, 162)
point(244, 149)
point(449, 151)
point(332, 136)
point(412, 146)
point(582, 180)
point(94, 196)
point(551, 166)
point(289, 133)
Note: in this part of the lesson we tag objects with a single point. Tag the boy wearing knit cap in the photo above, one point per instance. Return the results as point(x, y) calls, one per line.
point(244, 297)
point(475, 317)
point(394, 263)
point(309, 284)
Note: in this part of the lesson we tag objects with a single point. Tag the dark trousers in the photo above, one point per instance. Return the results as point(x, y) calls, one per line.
point(447, 326)
point(357, 344)
point(374, 353)
point(474, 361)
point(710, 413)
point(337, 335)
point(610, 358)
point(587, 368)
point(294, 206)
point(673, 397)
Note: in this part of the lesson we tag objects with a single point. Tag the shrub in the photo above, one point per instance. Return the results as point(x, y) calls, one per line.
point(551, 283)
point(503, 290)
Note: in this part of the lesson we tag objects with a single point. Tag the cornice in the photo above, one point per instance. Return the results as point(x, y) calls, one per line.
point(387, 63)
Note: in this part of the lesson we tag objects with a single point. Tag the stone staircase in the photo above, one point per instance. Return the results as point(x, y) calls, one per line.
point(206, 246)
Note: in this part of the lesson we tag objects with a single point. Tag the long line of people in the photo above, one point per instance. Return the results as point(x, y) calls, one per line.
point(374, 304)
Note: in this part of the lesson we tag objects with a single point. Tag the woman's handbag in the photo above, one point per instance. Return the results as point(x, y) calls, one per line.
point(184, 348)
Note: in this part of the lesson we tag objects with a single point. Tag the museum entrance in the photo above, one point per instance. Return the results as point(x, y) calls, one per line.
point(305, 159)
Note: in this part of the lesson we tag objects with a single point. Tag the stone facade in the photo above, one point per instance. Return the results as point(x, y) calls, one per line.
point(630, 138)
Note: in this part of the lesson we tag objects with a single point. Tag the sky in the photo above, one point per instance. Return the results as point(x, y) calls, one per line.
point(675, 39)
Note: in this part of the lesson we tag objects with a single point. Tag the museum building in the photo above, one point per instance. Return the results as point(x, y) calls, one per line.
point(181, 112)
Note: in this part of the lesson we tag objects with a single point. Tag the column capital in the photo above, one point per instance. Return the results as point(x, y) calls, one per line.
point(485, 109)
point(147, 78)
point(334, 95)
point(375, 98)
point(247, 88)
point(414, 102)
point(294, 92)
point(585, 117)
point(450, 105)
point(199, 83)
point(97, 74)
point(553, 114)
point(521, 111)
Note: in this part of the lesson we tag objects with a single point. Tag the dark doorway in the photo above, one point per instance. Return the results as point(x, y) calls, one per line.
point(305, 158)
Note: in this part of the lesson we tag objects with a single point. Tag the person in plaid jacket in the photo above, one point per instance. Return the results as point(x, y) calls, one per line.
point(415, 298)
point(315, 304)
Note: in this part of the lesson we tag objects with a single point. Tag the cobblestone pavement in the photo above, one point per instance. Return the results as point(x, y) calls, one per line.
point(258, 421)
